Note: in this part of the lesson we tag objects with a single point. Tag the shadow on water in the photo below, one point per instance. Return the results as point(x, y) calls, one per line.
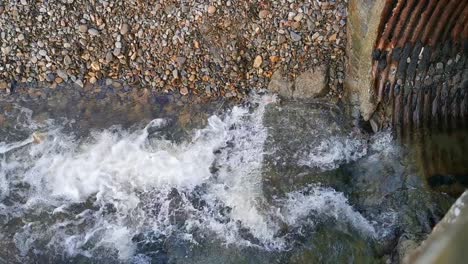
point(441, 158)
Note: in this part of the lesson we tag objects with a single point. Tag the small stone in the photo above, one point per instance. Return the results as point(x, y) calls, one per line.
point(95, 66)
point(263, 14)
point(258, 61)
point(79, 83)
point(67, 60)
point(211, 10)
point(275, 59)
point(43, 53)
point(180, 61)
point(124, 29)
point(83, 28)
point(298, 17)
point(183, 91)
point(62, 74)
point(58, 80)
point(93, 32)
point(24, 2)
point(332, 38)
point(118, 45)
point(20, 37)
point(92, 80)
point(66, 45)
point(116, 52)
point(109, 57)
point(34, 59)
point(175, 74)
point(3, 85)
point(295, 37)
point(315, 36)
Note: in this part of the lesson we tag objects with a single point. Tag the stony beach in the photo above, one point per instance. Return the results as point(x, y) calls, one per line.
point(202, 48)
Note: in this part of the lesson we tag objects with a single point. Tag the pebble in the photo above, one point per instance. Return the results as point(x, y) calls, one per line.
point(211, 10)
point(124, 29)
point(180, 61)
point(93, 32)
point(258, 61)
point(83, 28)
point(295, 37)
point(263, 14)
point(183, 91)
point(62, 74)
point(173, 45)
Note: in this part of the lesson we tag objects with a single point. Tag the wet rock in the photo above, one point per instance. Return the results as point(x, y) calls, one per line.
point(281, 85)
point(311, 84)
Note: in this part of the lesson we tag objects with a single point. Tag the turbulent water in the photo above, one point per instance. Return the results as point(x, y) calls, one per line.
point(125, 194)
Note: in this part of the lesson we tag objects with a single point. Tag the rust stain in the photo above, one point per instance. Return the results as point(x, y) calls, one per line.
point(420, 62)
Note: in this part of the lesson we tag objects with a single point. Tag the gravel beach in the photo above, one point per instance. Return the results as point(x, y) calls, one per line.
point(203, 48)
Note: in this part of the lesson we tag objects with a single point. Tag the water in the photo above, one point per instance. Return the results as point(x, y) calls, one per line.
point(234, 186)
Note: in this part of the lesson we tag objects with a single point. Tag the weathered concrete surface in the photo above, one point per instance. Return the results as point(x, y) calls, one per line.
point(363, 29)
point(448, 241)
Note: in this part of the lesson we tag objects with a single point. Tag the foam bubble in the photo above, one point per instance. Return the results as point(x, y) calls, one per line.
point(104, 191)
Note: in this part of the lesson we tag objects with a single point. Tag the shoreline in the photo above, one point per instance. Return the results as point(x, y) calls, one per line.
point(208, 49)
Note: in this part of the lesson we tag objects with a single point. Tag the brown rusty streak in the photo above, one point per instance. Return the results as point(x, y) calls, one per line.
point(454, 18)
point(386, 28)
point(385, 15)
point(385, 39)
point(430, 26)
point(415, 16)
point(423, 20)
point(402, 22)
point(461, 23)
point(447, 11)
point(465, 31)
point(383, 78)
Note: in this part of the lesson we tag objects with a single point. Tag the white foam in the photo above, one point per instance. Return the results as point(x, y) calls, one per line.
point(138, 184)
point(331, 153)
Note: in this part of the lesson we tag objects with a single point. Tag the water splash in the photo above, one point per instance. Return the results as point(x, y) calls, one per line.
point(80, 196)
